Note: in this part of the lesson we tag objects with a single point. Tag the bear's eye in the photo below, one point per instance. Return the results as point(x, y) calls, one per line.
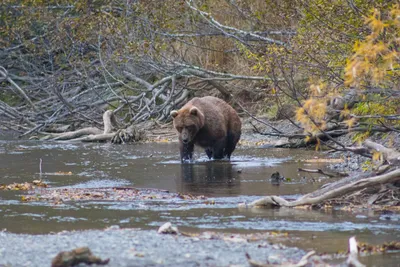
point(192, 128)
point(179, 129)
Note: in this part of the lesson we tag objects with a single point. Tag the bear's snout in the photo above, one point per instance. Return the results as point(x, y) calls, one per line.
point(185, 136)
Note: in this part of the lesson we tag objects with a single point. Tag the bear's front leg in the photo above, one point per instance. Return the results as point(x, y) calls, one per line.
point(218, 149)
point(209, 152)
point(186, 151)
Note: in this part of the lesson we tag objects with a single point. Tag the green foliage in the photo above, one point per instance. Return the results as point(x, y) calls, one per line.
point(368, 108)
point(380, 106)
point(326, 43)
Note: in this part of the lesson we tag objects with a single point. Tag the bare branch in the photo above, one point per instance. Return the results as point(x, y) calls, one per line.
point(329, 174)
point(235, 33)
point(4, 73)
point(188, 68)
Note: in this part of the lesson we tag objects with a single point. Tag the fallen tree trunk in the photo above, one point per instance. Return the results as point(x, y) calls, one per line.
point(333, 190)
point(94, 134)
point(78, 133)
point(102, 137)
point(390, 174)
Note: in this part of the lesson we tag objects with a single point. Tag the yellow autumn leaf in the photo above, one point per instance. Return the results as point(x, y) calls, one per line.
point(375, 23)
point(350, 123)
point(376, 156)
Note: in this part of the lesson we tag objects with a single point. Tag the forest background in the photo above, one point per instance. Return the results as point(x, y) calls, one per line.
point(313, 62)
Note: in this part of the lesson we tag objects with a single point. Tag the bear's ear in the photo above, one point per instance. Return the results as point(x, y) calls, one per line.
point(174, 113)
point(194, 111)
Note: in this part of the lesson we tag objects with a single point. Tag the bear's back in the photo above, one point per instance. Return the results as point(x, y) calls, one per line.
point(213, 106)
point(218, 112)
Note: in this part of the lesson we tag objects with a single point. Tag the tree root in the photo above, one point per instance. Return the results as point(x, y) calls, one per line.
point(131, 134)
point(381, 197)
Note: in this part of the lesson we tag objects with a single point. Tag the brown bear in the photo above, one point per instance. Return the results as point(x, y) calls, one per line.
point(210, 123)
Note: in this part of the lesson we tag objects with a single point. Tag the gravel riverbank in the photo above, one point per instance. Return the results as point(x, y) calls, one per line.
point(130, 247)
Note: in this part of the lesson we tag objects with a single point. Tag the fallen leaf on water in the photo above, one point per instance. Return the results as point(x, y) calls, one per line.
point(55, 195)
point(23, 186)
point(30, 198)
point(39, 183)
point(387, 246)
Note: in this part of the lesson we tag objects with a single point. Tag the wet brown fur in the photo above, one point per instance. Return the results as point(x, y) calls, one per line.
point(210, 123)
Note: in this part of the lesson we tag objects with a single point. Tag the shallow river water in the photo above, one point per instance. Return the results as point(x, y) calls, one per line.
point(157, 165)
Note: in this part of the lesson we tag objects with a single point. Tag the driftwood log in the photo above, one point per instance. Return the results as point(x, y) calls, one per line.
point(390, 174)
point(94, 134)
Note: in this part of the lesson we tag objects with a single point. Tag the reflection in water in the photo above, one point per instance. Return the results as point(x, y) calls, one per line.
point(210, 178)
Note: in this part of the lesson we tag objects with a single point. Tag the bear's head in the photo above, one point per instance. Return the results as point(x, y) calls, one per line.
point(188, 122)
